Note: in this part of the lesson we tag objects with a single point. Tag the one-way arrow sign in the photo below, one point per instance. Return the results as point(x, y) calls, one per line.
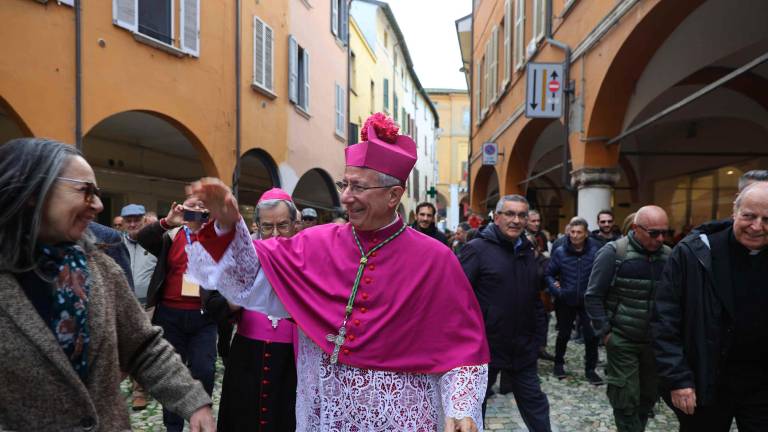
point(544, 90)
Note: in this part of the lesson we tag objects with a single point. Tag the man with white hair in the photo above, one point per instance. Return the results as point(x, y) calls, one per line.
point(711, 328)
point(386, 342)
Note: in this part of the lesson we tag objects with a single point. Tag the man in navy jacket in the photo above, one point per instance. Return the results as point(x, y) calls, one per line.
point(567, 276)
point(501, 266)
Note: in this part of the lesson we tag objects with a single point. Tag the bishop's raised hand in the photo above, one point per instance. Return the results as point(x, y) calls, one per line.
point(218, 199)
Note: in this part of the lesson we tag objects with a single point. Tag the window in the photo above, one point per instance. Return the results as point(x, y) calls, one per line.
point(386, 40)
point(354, 133)
point(386, 95)
point(373, 97)
point(154, 21)
point(353, 72)
point(394, 108)
point(263, 60)
point(486, 76)
point(507, 40)
point(339, 18)
point(340, 113)
point(478, 86)
point(519, 37)
point(416, 176)
point(494, 68)
point(298, 70)
point(539, 17)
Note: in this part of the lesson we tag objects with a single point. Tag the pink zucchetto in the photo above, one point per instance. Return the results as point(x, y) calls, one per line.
point(382, 149)
point(275, 194)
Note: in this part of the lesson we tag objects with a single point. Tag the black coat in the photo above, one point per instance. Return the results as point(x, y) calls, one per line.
point(110, 241)
point(691, 325)
point(506, 283)
point(432, 231)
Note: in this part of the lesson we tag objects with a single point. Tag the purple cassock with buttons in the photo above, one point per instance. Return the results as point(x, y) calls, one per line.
point(390, 334)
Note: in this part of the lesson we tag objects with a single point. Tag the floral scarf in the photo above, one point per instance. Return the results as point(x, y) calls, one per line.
point(67, 266)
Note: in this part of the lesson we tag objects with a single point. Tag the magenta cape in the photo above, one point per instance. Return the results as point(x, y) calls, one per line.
point(415, 310)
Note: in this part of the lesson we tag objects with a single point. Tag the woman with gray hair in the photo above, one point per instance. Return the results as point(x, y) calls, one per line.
point(69, 323)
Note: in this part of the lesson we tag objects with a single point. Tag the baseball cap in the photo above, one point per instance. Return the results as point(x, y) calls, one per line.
point(133, 210)
point(309, 213)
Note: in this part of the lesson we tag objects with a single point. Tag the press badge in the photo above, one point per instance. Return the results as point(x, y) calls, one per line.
point(189, 288)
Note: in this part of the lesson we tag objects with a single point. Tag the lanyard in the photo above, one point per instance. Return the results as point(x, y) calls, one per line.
point(186, 233)
point(338, 339)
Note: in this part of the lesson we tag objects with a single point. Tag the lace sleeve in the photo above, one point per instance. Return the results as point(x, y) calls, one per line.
point(463, 391)
point(237, 275)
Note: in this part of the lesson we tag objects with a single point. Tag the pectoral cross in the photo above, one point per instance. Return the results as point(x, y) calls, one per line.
point(337, 340)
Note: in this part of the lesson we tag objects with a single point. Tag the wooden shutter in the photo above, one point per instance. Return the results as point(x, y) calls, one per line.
point(386, 94)
point(478, 85)
point(269, 58)
point(305, 99)
point(335, 17)
point(494, 73)
point(190, 27)
point(507, 40)
point(258, 52)
point(293, 70)
point(519, 38)
point(125, 14)
point(340, 102)
point(344, 22)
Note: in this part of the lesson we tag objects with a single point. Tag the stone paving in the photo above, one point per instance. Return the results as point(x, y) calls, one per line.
point(575, 405)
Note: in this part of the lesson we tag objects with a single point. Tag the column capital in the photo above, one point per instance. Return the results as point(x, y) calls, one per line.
point(595, 177)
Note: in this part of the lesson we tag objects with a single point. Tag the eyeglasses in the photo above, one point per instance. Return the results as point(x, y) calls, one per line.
point(654, 232)
point(282, 228)
point(748, 216)
point(89, 189)
point(511, 214)
point(356, 189)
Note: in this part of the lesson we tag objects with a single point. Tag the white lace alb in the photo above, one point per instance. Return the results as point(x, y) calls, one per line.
point(340, 398)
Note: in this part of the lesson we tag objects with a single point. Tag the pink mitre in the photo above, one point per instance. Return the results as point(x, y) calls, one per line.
point(382, 149)
point(275, 194)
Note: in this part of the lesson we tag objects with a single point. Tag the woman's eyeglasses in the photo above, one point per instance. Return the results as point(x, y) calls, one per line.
point(89, 189)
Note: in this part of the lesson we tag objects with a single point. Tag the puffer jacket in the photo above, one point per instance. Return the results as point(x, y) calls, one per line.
point(572, 269)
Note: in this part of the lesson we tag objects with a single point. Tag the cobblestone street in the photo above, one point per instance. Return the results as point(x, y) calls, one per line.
point(575, 405)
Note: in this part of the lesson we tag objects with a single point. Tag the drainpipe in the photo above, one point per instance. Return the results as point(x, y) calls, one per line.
point(78, 77)
point(349, 72)
point(567, 91)
point(238, 60)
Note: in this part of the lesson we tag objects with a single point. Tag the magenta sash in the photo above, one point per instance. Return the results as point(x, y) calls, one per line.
point(255, 325)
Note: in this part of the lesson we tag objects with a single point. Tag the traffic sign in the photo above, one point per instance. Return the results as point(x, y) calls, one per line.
point(544, 90)
point(490, 153)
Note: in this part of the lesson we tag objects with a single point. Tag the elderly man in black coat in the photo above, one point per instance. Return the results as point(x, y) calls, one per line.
point(501, 266)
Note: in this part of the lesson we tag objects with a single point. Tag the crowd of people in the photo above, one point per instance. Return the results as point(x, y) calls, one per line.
point(364, 323)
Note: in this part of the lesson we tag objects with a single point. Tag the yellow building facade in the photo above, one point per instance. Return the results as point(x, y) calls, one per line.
point(158, 94)
point(651, 114)
point(453, 107)
point(384, 80)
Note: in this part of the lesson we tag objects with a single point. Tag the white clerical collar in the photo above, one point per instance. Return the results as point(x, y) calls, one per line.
point(389, 224)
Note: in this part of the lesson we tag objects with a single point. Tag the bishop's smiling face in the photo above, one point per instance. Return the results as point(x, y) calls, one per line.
point(372, 208)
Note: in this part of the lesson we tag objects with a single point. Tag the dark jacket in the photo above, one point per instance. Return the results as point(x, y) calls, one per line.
point(432, 231)
point(692, 324)
point(620, 294)
point(156, 241)
point(571, 268)
point(506, 281)
point(110, 241)
point(602, 241)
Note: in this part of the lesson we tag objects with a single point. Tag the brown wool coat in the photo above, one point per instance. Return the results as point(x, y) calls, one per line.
point(39, 389)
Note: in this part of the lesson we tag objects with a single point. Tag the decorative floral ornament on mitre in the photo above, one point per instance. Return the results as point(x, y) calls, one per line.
point(385, 127)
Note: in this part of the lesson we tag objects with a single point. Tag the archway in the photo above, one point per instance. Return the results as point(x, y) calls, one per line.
point(485, 190)
point(144, 158)
point(11, 125)
point(258, 173)
point(315, 189)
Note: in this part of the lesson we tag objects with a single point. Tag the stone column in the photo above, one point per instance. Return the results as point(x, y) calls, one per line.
point(595, 186)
